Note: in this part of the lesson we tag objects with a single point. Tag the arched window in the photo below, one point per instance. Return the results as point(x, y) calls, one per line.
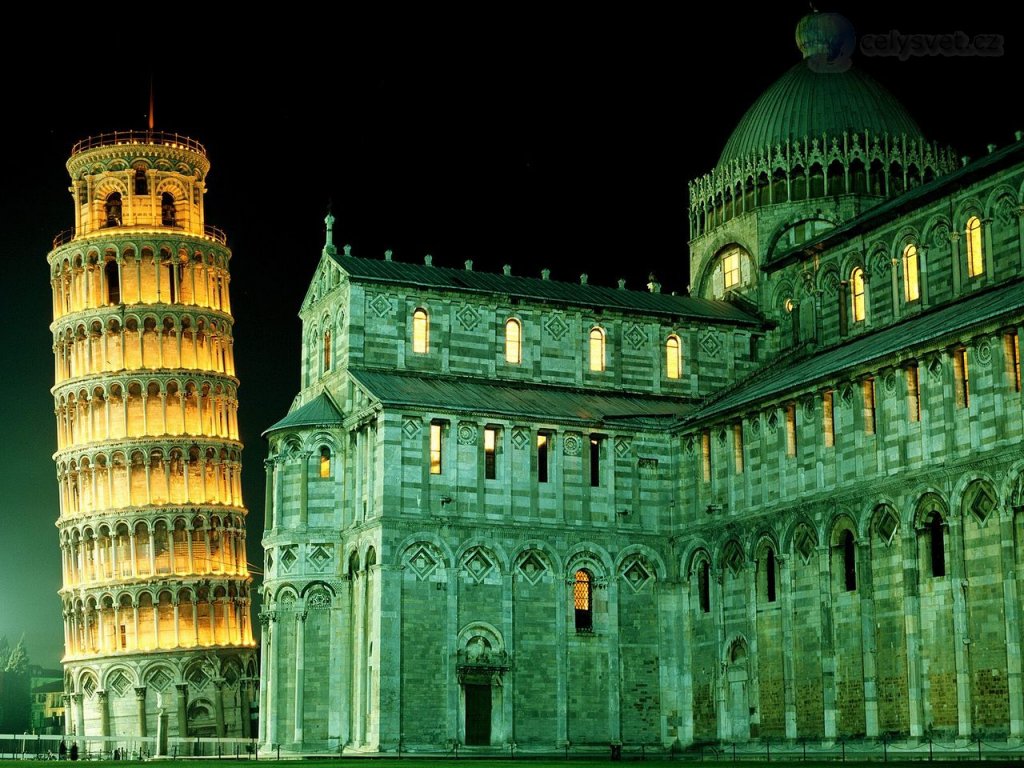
point(770, 575)
point(168, 212)
point(113, 278)
point(975, 257)
point(731, 268)
point(583, 594)
point(857, 295)
point(513, 341)
point(325, 462)
point(420, 332)
point(141, 188)
point(327, 350)
point(849, 558)
point(113, 209)
point(911, 284)
point(596, 349)
point(704, 587)
point(937, 545)
point(673, 357)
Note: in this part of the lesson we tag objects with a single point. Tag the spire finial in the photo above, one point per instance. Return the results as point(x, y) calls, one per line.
point(151, 100)
point(329, 221)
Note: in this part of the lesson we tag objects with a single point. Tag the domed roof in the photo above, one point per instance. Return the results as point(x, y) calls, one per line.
point(822, 96)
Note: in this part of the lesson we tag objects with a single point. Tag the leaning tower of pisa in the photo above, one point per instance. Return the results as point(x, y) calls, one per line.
point(152, 524)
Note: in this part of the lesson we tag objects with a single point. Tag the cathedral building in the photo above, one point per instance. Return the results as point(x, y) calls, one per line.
point(152, 525)
point(508, 510)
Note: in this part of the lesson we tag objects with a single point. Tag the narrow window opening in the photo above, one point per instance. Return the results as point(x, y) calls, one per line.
point(705, 451)
point(543, 438)
point(513, 342)
point(420, 332)
point(857, 295)
point(849, 551)
point(325, 462)
point(937, 545)
point(828, 418)
point(490, 449)
point(737, 447)
point(913, 394)
point(597, 350)
point(704, 586)
point(769, 573)
point(436, 435)
point(595, 462)
point(327, 351)
point(141, 187)
point(113, 209)
point(911, 281)
point(975, 256)
point(961, 378)
point(168, 210)
point(673, 358)
point(113, 278)
point(868, 390)
point(791, 430)
point(1012, 354)
point(583, 602)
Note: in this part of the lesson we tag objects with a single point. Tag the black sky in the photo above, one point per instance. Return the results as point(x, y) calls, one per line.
point(536, 139)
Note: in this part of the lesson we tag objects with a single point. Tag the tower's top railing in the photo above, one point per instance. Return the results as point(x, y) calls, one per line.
point(173, 140)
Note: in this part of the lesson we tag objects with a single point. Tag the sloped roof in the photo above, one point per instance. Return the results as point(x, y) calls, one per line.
point(318, 412)
point(511, 399)
point(421, 275)
point(906, 335)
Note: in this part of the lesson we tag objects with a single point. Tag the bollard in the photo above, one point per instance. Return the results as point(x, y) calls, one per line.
point(929, 749)
point(768, 749)
point(885, 750)
point(843, 745)
point(979, 749)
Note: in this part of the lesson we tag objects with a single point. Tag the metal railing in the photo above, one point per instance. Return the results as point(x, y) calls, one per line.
point(209, 231)
point(173, 140)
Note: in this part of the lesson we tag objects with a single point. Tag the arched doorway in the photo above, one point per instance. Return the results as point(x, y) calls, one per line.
point(482, 662)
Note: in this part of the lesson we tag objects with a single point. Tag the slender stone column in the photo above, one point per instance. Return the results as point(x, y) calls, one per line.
point(76, 701)
point(300, 663)
point(140, 709)
point(218, 705)
point(101, 704)
point(182, 702)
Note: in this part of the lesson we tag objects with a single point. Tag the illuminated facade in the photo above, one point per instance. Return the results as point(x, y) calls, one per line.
point(152, 523)
point(509, 510)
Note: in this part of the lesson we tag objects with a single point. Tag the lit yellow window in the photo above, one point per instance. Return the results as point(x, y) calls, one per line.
point(911, 284)
point(325, 462)
point(737, 447)
point(791, 430)
point(961, 378)
point(857, 294)
point(913, 394)
point(513, 341)
point(596, 349)
point(868, 392)
point(1012, 355)
point(731, 268)
point(828, 418)
point(327, 351)
point(673, 358)
point(975, 257)
point(705, 452)
point(420, 332)
point(435, 448)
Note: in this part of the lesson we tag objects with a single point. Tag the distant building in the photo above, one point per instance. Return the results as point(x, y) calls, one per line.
point(508, 510)
point(152, 525)
point(47, 691)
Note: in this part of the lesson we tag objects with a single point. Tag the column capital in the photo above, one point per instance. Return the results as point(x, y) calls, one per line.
point(102, 696)
point(182, 688)
point(140, 693)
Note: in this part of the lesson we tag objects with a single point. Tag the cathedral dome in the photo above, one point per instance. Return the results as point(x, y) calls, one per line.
point(821, 97)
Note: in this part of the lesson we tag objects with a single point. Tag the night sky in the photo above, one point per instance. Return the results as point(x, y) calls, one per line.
point(538, 140)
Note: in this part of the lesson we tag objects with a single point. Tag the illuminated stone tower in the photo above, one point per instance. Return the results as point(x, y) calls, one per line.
point(152, 524)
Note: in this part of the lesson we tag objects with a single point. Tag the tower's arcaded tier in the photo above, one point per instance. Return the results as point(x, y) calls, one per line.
point(152, 523)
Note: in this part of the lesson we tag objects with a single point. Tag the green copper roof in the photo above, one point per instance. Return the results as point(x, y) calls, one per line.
point(318, 412)
point(915, 331)
point(513, 399)
point(805, 103)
